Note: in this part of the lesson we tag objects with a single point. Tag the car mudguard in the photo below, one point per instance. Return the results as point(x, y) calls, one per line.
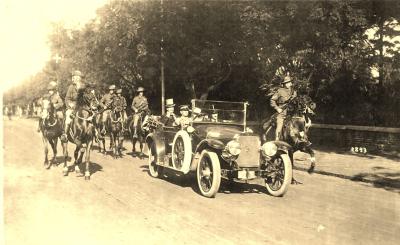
point(158, 140)
point(283, 146)
point(206, 143)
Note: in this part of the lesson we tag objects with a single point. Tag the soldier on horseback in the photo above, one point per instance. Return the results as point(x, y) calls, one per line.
point(122, 102)
point(279, 101)
point(106, 102)
point(56, 100)
point(139, 105)
point(70, 101)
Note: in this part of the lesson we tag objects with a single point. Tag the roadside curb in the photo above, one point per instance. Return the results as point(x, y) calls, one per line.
point(381, 183)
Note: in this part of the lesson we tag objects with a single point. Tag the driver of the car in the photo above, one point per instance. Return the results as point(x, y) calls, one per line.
point(214, 116)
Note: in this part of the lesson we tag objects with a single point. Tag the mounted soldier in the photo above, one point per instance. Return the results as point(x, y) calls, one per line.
point(279, 101)
point(56, 100)
point(292, 121)
point(106, 102)
point(71, 100)
point(122, 102)
point(139, 106)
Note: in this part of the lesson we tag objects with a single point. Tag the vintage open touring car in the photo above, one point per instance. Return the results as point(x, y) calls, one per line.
point(218, 144)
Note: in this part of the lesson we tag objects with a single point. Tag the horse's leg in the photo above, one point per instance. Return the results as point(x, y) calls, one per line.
point(87, 160)
point(294, 181)
point(103, 141)
point(46, 152)
point(78, 159)
point(310, 151)
point(54, 148)
point(141, 146)
point(65, 153)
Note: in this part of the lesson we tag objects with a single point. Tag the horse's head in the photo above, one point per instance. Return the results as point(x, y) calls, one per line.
point(47, 110)
point(298, 130)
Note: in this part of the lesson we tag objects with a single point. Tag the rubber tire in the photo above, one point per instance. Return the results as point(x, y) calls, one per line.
point(187, 146)
point(286, 180)
point(216, 182)
point(154, 169)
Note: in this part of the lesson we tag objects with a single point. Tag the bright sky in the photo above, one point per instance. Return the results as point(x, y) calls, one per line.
point(24, 26)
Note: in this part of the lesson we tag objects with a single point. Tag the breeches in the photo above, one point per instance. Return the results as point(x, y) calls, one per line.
point(105, 115)
point(136, 119)
point(68, 118)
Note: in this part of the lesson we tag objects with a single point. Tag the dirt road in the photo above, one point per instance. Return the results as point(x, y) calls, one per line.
point(122, 204)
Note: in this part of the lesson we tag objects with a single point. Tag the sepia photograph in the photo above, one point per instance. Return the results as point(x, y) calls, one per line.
point(200, 122)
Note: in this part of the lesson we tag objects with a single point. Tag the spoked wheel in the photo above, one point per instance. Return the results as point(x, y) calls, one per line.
point(279, 176)
point(179, 152)
point(154, 169)
point(182, 151)
point(208, 174)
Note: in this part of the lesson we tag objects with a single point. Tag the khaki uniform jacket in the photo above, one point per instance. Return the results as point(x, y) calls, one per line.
point(106, 100)
point(72, 96)
point(123, 101)
point(281, 98)
point(140, 103)
point(56, 100)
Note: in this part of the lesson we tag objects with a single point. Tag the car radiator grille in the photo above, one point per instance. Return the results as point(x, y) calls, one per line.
point(250, 155)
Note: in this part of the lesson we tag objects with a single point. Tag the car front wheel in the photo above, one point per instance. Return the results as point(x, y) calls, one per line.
point(280, 175)
point(208, 174)
point(154, 169)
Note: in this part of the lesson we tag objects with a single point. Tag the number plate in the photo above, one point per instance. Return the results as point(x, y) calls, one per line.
point(242, 174)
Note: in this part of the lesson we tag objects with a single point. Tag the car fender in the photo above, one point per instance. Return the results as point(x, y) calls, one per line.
point(206, 143)
point(157, 139)
point(283, 146)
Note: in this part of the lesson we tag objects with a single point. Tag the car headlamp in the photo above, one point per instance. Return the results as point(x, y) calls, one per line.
point(269, 149)
point(233, 147)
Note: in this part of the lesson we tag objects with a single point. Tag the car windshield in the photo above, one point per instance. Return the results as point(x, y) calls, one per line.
point(223, 112)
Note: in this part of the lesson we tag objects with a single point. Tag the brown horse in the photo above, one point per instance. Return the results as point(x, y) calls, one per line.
point(294, 131)
point(51, 129)
point(114, 127)
point(81, 133)
point(138, 133)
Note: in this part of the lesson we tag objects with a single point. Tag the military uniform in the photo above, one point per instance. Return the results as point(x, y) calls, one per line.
point(106, 102)
point(70, 101)
point(279, 101)
point(122, 102)
point(58, 103)
point(139, 105)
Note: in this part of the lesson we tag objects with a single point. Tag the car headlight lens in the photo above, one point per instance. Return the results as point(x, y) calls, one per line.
point(269, 149)
point(233, 147)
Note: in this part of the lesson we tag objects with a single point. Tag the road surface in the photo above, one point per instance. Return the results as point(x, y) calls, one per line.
point(122, 204)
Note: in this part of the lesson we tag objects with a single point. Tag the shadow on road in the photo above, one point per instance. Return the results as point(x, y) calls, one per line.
point(387, 180)
point(230, 187)
point(189, 180)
